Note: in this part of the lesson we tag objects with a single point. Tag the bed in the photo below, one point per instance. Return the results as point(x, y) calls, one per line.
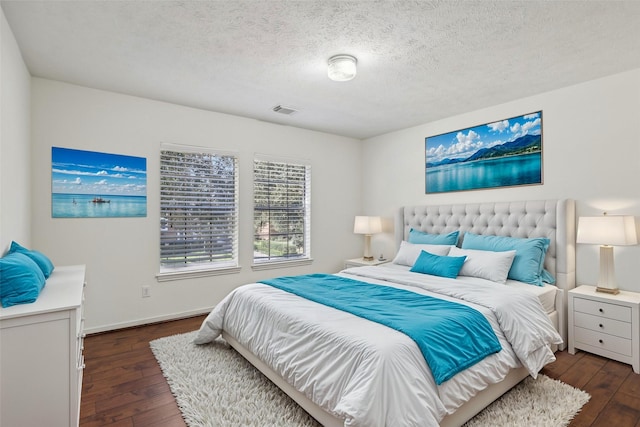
point(322, 357)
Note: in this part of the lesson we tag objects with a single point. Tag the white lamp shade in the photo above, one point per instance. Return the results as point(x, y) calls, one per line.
point(342, 68)
point(614, 230)
point(367, 225)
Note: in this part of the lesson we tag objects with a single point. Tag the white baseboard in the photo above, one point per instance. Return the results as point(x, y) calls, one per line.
point(140, 322)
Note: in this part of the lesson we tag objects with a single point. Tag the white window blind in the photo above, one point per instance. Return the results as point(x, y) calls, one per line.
point(282, 210)
point(198, 209)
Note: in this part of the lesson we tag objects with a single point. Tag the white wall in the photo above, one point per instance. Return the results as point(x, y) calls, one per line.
point(15, 182)
point(122, 254)
point(591, 153)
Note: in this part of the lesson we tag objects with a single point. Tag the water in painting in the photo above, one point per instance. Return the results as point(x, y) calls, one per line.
point(88, 206)
point(501, 172)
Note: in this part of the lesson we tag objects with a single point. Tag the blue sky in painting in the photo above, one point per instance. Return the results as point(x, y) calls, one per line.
point(463, 143)
point(89, 172)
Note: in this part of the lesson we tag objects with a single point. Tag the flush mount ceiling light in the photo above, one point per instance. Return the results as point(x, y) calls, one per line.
point(342, 68)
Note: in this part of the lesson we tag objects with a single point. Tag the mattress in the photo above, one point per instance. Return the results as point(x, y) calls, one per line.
point(546, 294)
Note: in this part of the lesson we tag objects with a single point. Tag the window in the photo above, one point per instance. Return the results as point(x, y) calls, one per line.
point(281, 211)
point(198, 209)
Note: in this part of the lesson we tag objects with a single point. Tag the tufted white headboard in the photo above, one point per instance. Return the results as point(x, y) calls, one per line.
point(553, 219)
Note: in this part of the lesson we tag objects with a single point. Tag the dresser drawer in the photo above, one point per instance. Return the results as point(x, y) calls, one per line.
point(602, 341)
point(602, 324)
point(603, 309)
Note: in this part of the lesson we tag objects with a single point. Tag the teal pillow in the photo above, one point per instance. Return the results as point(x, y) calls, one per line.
point(547, 277)
point(21, 280)
point(529, 260)
point(421, 237)
point(41, 259)
point(436, 265)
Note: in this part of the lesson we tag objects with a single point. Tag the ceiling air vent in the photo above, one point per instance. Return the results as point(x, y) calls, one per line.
point(284, 110)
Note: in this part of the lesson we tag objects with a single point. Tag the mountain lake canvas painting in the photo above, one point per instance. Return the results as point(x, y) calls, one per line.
point(88, 184)
point(499, 154)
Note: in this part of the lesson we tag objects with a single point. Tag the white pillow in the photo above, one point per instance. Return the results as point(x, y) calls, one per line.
point(488, 265)
point(409, 252)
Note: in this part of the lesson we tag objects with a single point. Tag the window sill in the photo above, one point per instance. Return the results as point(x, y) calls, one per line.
point(281, 264)
point(168, 276)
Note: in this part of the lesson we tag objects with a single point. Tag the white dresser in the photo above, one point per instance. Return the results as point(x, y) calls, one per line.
point(41, 359)
point(605, 324)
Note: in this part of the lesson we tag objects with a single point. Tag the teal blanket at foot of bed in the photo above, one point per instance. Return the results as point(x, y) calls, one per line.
point(451, 336)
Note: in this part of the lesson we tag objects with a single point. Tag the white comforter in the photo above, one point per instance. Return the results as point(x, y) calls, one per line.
point(366, 373)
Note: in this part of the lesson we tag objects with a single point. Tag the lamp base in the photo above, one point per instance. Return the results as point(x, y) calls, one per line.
point(607, 280)
point(367, 248)
point(614, 291)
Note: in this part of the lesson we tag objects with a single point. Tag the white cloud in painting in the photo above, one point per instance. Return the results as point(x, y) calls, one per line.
point(527, 128)
point(466, 139)
point(436, 152)
point(465, 145)
point(131, 173)
point(499, 126)
point(71, 172)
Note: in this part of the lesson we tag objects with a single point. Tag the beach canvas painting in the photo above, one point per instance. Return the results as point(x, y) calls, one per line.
point(499, 154)
point(88, 184)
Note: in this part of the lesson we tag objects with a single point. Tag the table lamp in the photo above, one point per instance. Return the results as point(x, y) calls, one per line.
point(607, 231)
point(367, 225)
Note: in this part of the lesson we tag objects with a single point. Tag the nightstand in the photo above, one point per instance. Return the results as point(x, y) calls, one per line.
point(359, 262)
point(604, 324)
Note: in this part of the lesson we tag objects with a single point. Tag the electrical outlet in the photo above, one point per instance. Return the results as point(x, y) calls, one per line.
point(146, 291)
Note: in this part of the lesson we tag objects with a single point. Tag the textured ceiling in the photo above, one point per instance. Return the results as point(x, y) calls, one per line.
point(418, 61)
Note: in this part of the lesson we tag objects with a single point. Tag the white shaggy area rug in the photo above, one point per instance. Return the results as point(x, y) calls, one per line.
point(216, 387)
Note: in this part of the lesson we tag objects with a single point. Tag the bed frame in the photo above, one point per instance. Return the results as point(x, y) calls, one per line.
point(554, 219)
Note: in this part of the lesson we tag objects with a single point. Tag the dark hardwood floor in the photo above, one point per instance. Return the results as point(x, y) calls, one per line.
point(123, 385)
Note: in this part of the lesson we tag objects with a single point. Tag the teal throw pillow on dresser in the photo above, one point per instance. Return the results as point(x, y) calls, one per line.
point(41, 259)
point(21, 279)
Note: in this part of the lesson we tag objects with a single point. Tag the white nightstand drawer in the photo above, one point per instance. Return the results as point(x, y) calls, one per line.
point(603, 341)
point(597, 308)
point(602, 324)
